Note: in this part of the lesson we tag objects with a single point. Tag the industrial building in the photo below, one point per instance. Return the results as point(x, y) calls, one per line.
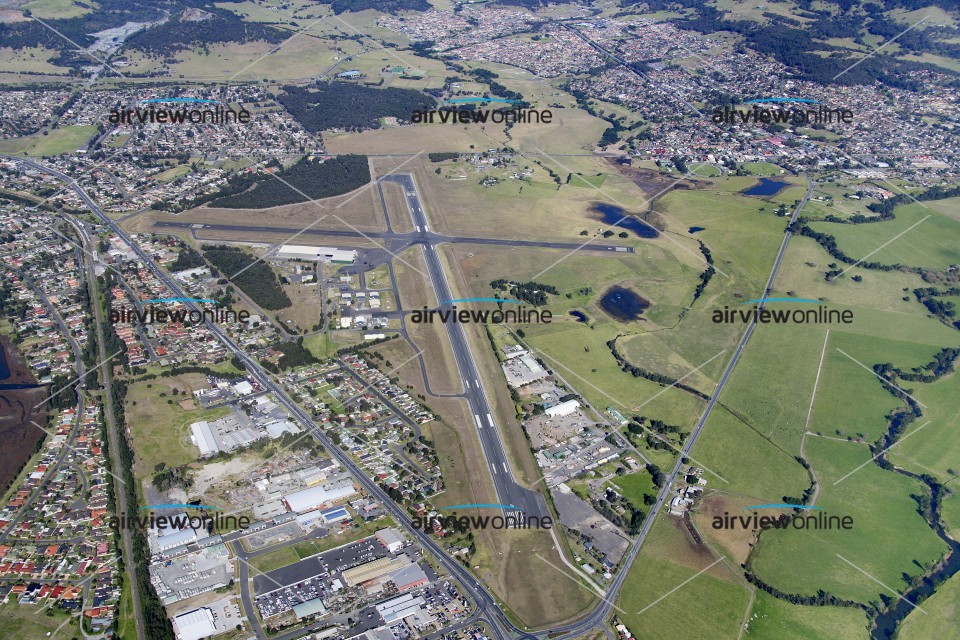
point(562, 409)
point(195, 624)
point(318, 497)
point(325, 254)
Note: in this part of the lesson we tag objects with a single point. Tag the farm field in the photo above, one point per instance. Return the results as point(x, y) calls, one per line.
point(839, 561)
point(939, 616)
point(773, 619)
point(711, 605)
point(928, 244)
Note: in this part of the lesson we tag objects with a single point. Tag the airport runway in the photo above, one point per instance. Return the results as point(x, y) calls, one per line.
point(396, 242)
point(508, 491)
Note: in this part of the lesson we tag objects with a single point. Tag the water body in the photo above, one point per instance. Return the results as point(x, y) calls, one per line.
point(4, 367)
point(614, 215)
point(579, 315)
point(623, 304)
point(695, 229)
point(766, 187)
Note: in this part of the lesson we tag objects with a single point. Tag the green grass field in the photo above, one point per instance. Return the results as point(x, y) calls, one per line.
point(939, 617)
point(930, 243)
point(883, 514)
point(274, 560)
point(61, 140)
point(761, 168)
point(711, 605)
point(25, 622)
point(56, 9)
point(773, 619)
point(161, 430)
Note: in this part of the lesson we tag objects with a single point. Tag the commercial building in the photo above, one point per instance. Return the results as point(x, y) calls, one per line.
point(309, 608)
point(203, 438)
point(373, 570)
point(391, 539)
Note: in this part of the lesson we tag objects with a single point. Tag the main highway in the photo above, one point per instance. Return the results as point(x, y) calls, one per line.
point(501, 627)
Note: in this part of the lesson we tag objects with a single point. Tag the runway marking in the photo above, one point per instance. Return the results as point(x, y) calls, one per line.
point(477, 418)
point(506, 469)
point(489, 419)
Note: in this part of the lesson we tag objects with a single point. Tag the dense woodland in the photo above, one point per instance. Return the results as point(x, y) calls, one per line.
point(344, 105)
point(257, 281)
point(310, 179)
point(386, 6)
point(221, 26)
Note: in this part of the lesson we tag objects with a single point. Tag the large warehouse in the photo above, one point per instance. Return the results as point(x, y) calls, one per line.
point(318, 497)
point(326, 254)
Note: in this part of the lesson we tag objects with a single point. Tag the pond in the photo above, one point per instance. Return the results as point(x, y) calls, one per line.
point(695, 229)
point(614, 215)
point(766, 187)
point(623, 304)
point(579, 315)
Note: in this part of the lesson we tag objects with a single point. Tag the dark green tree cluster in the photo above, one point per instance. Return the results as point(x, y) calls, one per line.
point(304, 180)
point(256, 279)
point(534, 293)
point(345, 105)
point(188, 258)
point(222, 26)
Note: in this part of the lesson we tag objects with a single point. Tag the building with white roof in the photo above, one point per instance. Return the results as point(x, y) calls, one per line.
point(562, 409)
point(195, 624)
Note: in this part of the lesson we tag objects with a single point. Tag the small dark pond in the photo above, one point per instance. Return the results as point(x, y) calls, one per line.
point(766, 187)
point(614, 215)
point(579, 315)
point(623, 304)
point(695, 229)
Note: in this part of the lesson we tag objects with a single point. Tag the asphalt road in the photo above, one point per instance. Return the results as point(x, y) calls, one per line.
point(507, 489)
